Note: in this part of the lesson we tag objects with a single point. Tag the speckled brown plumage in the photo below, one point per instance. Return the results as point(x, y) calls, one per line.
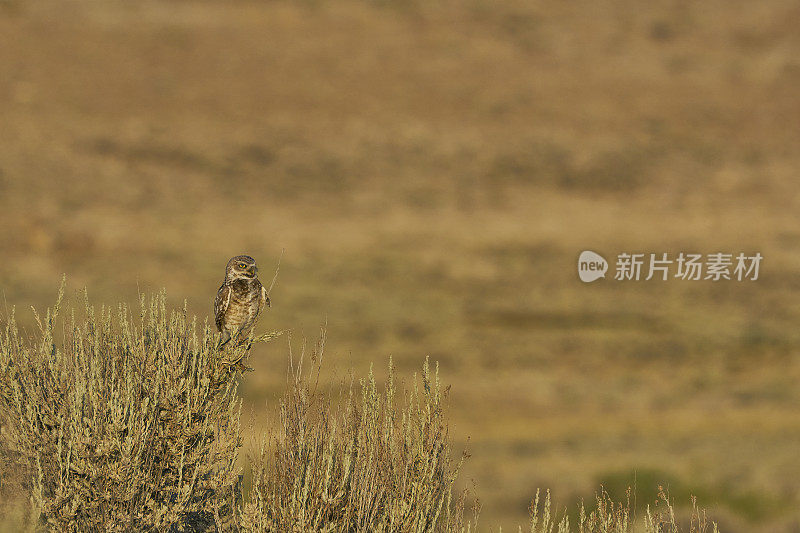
point(240, 300)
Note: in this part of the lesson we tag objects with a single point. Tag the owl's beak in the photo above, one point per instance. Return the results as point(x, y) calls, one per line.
point(252, 270)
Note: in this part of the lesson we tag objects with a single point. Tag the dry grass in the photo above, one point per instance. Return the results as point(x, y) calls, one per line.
point(609, 516)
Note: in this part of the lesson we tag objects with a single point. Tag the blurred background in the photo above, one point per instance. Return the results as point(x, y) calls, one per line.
point(432, 170)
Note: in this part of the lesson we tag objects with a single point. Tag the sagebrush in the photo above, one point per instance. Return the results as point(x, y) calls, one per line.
point(358, 464)
point(120, 423)
point(111, 421)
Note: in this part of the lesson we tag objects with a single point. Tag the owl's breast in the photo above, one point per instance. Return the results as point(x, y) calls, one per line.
point(244, 303)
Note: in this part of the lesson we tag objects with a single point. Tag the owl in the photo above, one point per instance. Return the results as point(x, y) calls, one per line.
point(240, 300)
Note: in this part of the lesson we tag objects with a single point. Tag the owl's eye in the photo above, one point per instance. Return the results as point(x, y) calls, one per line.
point(242, 265)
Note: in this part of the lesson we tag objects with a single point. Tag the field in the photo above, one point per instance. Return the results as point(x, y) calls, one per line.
point(430, 172)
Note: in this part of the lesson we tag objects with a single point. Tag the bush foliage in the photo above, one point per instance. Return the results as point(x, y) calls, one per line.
point(358, 465)
point(116, 422)
point(123, 423)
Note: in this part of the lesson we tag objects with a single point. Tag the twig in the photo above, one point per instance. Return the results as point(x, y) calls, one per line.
point(277, 269)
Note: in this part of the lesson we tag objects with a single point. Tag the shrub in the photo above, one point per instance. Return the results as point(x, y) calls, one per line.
point(120, 424)
point(358, 464)
point(124, 423)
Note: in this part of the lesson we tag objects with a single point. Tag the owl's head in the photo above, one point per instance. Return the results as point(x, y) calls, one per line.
point(241, 267)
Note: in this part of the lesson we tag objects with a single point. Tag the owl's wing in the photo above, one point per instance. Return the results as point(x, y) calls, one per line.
point(221, 303)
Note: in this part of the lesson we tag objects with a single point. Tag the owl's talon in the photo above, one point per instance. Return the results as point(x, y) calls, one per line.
point(243, 367)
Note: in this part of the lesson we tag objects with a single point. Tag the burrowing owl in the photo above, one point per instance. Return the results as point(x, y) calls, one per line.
point(240, 300)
